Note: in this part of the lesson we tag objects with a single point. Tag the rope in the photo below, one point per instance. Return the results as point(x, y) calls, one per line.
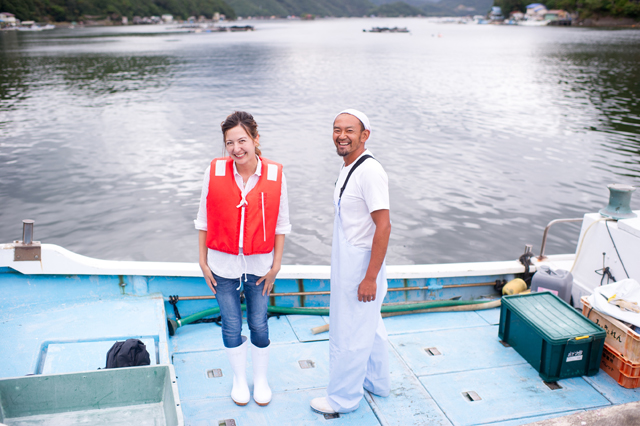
point(614, 246)
point(173, 300)
point(584, 237)
point(525, 259)
point(605, 271)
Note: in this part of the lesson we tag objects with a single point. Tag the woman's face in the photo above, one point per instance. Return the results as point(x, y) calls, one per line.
point(240, 146)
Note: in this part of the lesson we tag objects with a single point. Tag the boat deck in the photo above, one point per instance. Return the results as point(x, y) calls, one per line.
point(74, 334)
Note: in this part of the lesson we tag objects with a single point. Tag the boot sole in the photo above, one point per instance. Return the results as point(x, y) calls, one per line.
point(322, 412)
point(262, 404)
point(240, 403)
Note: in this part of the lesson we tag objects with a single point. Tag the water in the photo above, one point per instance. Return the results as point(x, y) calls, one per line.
point(487, 133)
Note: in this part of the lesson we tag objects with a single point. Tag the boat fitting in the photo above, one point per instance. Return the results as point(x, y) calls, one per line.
point(27, 249)
point(619, 206)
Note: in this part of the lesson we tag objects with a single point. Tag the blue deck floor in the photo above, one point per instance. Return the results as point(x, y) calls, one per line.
point(426, 389)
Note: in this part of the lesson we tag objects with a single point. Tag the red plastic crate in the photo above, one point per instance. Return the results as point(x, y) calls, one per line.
point(626, 373)
point(619, 337)
point(619, 362)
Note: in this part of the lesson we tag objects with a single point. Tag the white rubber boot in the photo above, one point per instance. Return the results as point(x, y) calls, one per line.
point(238, 360)
point(321, 405)
point(261, 389)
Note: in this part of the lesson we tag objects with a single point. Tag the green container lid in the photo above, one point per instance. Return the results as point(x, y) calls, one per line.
point(552, 317)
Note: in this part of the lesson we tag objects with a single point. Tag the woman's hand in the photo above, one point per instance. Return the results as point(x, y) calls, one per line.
point(269, 280)
point(208, 277)
point(204, 265)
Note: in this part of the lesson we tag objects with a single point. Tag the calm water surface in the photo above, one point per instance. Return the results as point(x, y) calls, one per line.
point(487, 133)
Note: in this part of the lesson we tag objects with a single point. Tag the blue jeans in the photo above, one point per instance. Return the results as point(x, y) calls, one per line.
point(228, 296)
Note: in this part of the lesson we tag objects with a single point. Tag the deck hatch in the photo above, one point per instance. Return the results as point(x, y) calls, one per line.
point(433, 351)
point(552, 385)
point(306, 363)
point(471, 396)
point(227, 422)
point(214, 372)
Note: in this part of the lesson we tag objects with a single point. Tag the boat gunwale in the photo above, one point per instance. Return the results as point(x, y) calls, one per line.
point(57, 260)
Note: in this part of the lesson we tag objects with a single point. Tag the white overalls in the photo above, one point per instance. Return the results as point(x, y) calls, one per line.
point(357, 337)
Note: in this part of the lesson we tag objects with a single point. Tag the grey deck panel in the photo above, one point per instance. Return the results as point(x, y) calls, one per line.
point(460, 349)
point(406, 324)
point(285, 372)
point(491, 316)
point(137, 395)
point(408, 403)
point(69, 357)
point(507, 393)
point(108, 318)
point(302, 325)
point(285, 409)
point(533, 419)
point(140, 415)
point(608, 387)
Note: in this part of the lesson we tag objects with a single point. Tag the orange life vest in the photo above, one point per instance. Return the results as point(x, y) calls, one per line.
point(260, 213)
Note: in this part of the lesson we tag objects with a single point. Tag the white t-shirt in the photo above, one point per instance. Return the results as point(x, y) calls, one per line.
point(230, 265)
point(366, 192)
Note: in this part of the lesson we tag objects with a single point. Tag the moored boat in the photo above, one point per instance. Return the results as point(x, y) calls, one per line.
point(32, 26)
point(61, 312)
point(387, 30)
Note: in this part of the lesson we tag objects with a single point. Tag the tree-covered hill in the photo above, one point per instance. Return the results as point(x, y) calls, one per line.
point(282, 8)
point(588, 8)
point(397, 9)
point(77, 10)
point(445, 7)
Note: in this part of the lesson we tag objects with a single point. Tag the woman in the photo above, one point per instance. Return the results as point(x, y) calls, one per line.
point(243, 217)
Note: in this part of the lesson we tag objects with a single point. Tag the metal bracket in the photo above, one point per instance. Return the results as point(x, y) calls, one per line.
point(433, 351)
point(471, 396)
point(215, 372)
point(306, 363)
point(552, 385)
point(26, 252)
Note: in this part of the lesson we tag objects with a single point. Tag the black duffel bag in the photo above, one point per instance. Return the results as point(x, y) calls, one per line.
point(129, 353)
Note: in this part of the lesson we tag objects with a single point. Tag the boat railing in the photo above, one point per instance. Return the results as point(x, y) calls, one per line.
point(546, 232)
point(325, 293)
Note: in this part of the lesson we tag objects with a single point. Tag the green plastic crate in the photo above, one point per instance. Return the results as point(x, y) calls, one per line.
point(145, 395)
point(552, 336)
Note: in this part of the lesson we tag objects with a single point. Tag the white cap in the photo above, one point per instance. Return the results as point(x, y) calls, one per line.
point(359, 115)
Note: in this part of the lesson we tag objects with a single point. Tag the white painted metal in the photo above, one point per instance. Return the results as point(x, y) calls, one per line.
point(594, 241)
point(57, 260)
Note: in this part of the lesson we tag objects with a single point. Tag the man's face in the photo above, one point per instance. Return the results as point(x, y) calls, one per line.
point(349, 137)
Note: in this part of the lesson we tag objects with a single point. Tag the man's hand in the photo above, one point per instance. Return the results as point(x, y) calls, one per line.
point(367, 290)
point(368, 286)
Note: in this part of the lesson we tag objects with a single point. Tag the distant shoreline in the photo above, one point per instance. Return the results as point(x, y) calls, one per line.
point(593, 22)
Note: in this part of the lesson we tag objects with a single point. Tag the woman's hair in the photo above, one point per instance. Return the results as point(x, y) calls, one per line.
point(244, 119)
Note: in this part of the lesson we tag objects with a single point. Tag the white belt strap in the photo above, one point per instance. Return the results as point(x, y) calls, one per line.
point(244, 269)
point(264, 226)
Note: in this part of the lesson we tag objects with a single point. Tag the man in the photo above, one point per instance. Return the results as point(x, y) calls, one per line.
point(357, 337)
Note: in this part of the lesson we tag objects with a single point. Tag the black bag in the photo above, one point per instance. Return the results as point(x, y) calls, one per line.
point(129, 353)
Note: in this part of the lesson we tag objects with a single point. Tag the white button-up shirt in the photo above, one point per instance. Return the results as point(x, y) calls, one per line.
point(230, 265)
